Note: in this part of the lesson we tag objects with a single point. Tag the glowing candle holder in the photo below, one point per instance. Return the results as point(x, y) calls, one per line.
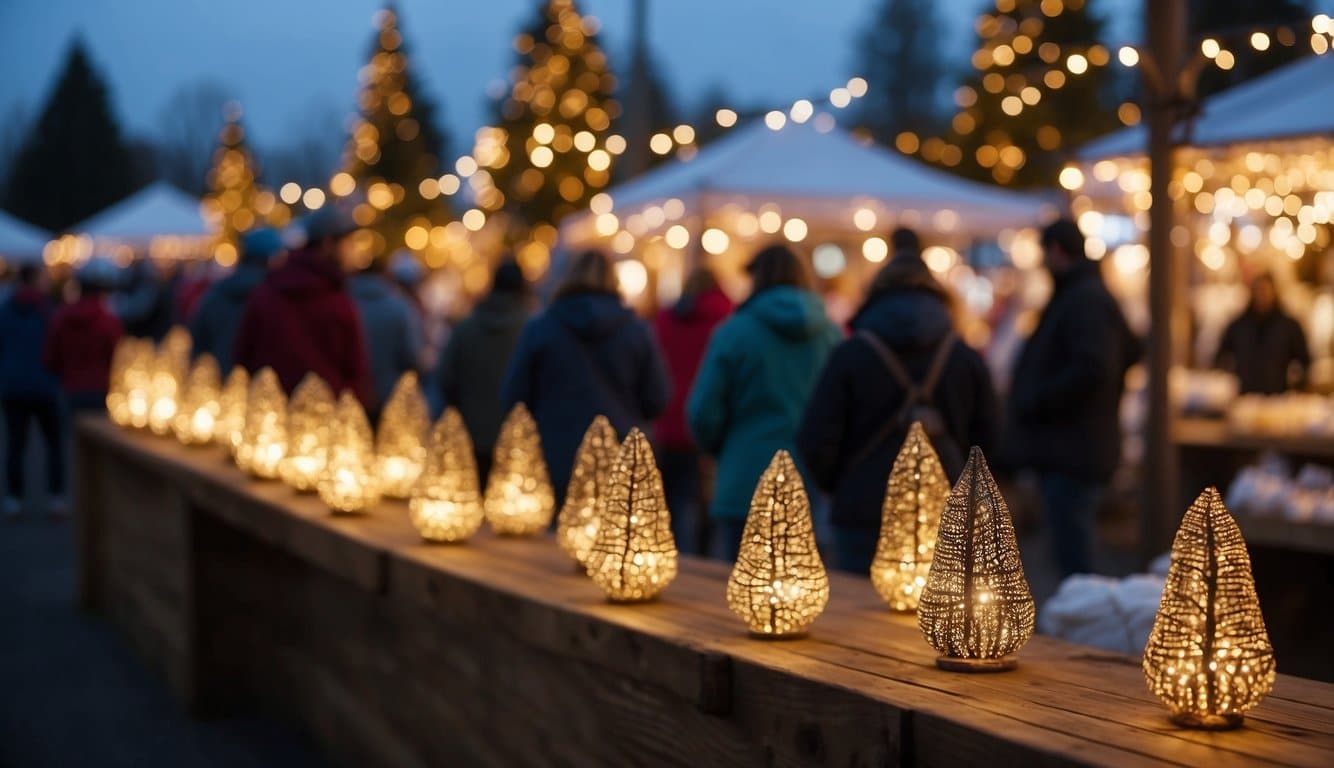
point(1208, 657)
point(446, 504)
point(122, 357)
point(399, 449)
point(309, 413)
point(348, 484)
point(166, 380)
point(779, 584)
point(231, 410)
point(634, 555)
point(264, 441)
point(577, 524)
point(519, 500)
point(197, 414)
point(909, 521)
point(976, 609)
point(136, 382)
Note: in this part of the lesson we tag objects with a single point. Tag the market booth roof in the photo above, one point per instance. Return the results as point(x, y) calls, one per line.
point(822, 175)
point(1292, 102)
point(20, 240)
point(154, 211)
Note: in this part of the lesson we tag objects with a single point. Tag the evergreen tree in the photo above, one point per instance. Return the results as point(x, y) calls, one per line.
point(1042, 87)
point(1233, 21)
point(395, 144)
point(74, 162)
point(551, 153)
point(900, 58)
point(235, 201)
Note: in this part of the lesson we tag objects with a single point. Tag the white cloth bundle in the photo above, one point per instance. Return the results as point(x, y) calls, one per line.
point(1115, 615)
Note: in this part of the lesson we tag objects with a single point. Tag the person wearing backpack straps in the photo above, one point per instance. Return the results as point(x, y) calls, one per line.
point(903, 363)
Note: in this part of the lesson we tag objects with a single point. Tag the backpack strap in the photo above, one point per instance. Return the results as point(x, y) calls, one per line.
point(914, 393)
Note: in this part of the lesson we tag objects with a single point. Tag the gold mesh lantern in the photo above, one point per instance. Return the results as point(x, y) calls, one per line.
point(976, 609)
point(231, 410)
point(577, 524)
point(1208, 657)
point(122, 357)
point(778, 585)
point(519, 500)
point(634, 555)
point(167, 380)
point(446, 503)
point(399, 448)
point(909, 520)
point(197, 414)
point(348, 483)
point(309, 415)
point(264, 439)
point(129, 405)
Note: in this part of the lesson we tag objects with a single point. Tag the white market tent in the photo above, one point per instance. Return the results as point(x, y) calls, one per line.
point(19, 240)
point(156, 210)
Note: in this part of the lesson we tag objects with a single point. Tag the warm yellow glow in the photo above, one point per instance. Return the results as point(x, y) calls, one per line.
point(600, 203)
point(795, 229)
point(725, 118)
point(519, 500)
point(313, 198)
point(802, 111)
point(634, 555)
point(770, 221)
point(1128, 56)
point(660, 143)
point(606, 224)
point(909, 521)
point(976, 609)
point(342, 184)
point(310, 414)
point(677, 236)
point(864, 219)
point(1208, 657)
point(290, 193)
point(875, 249)
point(1260, 41)
point(166, 379)
point(632, 277)
point(198, 412)
point(778, 586)
point(1071, 178)
point(399, 449)
point(714, 241)
point(231, 410)
point(348, 483)
point(473, 219)
point(1076, 64)
point(132, 362)
point(775, 120)
point(264, 437)
point(683, 134)
point(857, 86)
point(446, 503)
point(1210, 47)
point(577, 525)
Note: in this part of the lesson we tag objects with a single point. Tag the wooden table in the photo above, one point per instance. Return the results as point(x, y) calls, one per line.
point(498, 652)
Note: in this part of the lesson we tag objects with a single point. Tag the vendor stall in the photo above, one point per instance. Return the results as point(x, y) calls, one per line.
point(158, 221)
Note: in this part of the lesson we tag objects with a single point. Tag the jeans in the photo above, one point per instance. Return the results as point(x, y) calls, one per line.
point(854, 548)
point(681, 484)
point(20, 412)
point(1070, 506)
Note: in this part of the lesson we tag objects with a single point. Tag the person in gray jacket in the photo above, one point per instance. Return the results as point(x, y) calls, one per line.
point(213, 327)
point(391, 327)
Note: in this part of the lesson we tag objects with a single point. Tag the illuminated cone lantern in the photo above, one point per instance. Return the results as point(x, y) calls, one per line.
point(519, 500)
point(577, 525)
point(975, 609)
point(348, 483)
point(1208, 657)
point(310, 414)
point(138, 383)
point(231, 410)
point(446, 504)
point(634, 555)
point(122, 357)
point(197, 414)
point(167, 380)
point(909, 519)
point(778, 585)
point(399, 448)
point(264, 441)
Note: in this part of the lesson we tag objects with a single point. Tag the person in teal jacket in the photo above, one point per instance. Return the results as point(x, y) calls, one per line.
point(760, 367)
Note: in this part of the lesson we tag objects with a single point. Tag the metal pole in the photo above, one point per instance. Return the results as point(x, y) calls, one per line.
point(637, 128)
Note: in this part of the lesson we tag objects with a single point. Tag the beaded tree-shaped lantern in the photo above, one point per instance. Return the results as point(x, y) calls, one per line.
point(264, 439)
point(127, 387)
point(309, 413)
point(399, 449)
point(976, 609)
point(231, 410)
point(909, 520)
point(634, 555)
point(446, 504)
point(778, 585)
point(577, 525)
point(348, 483)
point(167, 380)
point(1208, 656)
point(519, 500)
point(197, 414)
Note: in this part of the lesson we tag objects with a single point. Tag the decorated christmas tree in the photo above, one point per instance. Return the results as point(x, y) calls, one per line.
point(396, 150)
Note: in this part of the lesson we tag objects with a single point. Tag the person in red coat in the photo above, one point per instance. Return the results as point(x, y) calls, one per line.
point(300, 319)
point(82, 338)
point(683, 332)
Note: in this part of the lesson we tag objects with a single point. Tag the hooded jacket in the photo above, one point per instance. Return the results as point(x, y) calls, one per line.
point(24, 319)
point(857, 395)
point(473, 364)
point(213, 327)
point(300, 319)
point(587, 354)
point(758, 371)
point(79, 345)
point(392, 330)
point(683, 332)
point(1261, 348)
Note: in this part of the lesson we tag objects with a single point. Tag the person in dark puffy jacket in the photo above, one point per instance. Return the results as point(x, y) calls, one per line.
point(28, 391)
point(82, 339)
point(1063, 414)
point(301, 320)
point(760, 368)
point(683, 332)
point(391, 327)
point(586, 355)
point(214, 324)
point(858, 416)
point(1265, 346)
point(473, 364)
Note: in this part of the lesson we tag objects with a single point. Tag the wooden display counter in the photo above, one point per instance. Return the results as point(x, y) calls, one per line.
point(496, 652)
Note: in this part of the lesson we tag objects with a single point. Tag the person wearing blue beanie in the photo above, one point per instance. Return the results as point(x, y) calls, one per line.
point(213, 327)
